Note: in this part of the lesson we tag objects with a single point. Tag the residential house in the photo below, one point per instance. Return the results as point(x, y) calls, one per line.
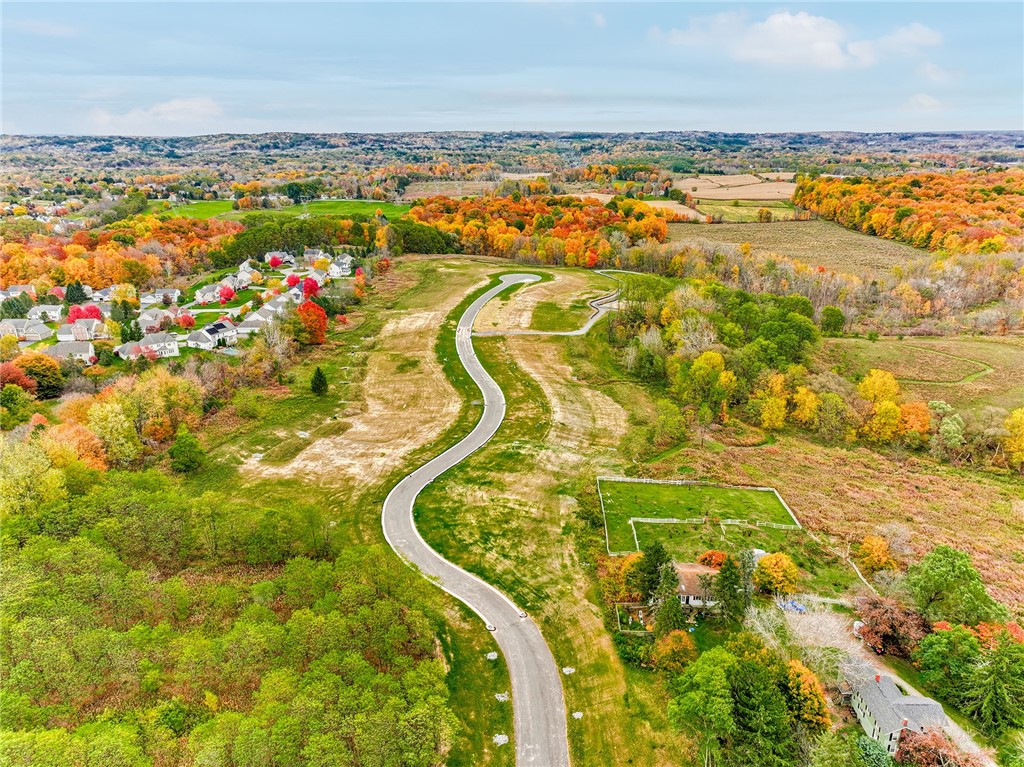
point(150, 319)
point(311, 255)
point(248, 271)
point(692, 591)
point(165, 296)
point(255, 321)
point(46, 312)
point(319, 275)
point(103, 294)
point(105, 307)
point(341, 266)
point(159, 344)
point(213, 335)
point(287, 259)
point(17, 290)
point(86, 329)
point(211, 293)
point(885, 711)
point(83, 351)
point(87, 289)
point(25, 330)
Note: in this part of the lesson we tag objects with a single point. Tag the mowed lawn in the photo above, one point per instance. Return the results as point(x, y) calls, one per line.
point(222, 209)
point(822, 572)
point(626, 500)
point(818, 243)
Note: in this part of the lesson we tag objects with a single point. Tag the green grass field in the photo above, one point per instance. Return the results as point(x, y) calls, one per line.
point(745, 211)
point(222, 209)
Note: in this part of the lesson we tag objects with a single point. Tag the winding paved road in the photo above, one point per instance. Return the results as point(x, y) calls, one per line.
point(538, 704)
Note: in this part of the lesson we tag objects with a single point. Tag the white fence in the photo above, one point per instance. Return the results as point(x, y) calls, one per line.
point(693, 520)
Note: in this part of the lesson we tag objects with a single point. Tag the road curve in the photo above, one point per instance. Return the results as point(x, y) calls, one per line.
point(537, 700)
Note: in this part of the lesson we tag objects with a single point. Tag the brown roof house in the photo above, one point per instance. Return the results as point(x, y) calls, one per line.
point(692, 589)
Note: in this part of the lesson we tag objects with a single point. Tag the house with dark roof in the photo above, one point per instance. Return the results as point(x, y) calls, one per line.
point(213, 335)
point(885, 711)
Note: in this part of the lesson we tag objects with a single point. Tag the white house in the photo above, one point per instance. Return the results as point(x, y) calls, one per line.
point(341, 266)
point(83, 351)
point(313, 254)
point(164, 296)
point(884, 711)
point(17, 290)
point(213, 334)
point(46, 312)
point(160, 344)
point(319, 275)
point(25, 330)
point(86, 329)
point(103, 294)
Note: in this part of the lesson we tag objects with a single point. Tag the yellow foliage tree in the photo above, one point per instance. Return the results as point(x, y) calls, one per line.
point(873, 554)
point(1013, 442)
point(773, 413)
point(879, 386)
point(674, 652)
point(776, 573)
point(805, 407)
point(884, 425)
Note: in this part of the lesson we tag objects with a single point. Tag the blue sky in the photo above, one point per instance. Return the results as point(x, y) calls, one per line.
point(146, 68)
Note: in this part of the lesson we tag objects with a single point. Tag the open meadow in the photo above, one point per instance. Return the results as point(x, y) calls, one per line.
point(969, 373)
point(818, 243)
point(745, 211)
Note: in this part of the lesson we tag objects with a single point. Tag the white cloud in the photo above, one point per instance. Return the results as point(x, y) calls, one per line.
point(599, 20)
point(176, 117)
point(934, 72)
point(796, 40)
point(922, 102)
point(41, 28)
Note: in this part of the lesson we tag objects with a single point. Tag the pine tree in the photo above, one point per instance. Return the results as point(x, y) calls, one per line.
point(74, 294)
point(670, 617)
point(318, 384)
point(728, 590)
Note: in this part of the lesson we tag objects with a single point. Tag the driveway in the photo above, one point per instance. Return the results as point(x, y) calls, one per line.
point(537, 700)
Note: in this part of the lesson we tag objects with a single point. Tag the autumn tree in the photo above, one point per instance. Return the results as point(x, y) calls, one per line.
point(889, 627)
point(673, 652)
point(776, 573)
point(44, 370)
point(879, 386)
point(932, 749)
point(806, 697)
point(312, 324)
point(1013, 442)
point(873, 554)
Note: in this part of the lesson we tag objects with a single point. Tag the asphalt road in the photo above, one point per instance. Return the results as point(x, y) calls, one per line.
point(538, 705)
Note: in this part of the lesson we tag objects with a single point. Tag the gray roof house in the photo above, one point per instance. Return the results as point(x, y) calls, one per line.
point(212, 335)
point(885, 711)
point(286, 258)
point(46, 312)
point(17, 290)
point(319, 275)
point(150, 319)
point(341, 266)
point(161, 344)
point(83, 351)
point(25, 330)
point(255, 321)
point(312, 254)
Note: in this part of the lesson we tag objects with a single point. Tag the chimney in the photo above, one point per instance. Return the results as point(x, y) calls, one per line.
point(906, 722)
point(878, 677)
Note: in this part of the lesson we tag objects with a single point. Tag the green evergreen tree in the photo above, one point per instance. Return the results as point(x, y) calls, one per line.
point(186, 452)
point(670, 617)
point(763, 736)
point(318, 383)
point(995, 691)
point(75, 294)
point(646, 574)
point(728, 590)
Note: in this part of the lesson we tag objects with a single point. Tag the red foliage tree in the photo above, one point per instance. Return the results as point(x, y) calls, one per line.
point(314, 322)
point(226, 293)
point(12, 374)
point(275, 261)
point(383, 266)
point(712, 558)
point(890, 628)
point(932, 749)
point(186, 320)
point(310, 288)
point(293, 280)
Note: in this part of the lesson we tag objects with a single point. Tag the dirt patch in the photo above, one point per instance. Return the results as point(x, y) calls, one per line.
point(581, 417)
point(517, 312)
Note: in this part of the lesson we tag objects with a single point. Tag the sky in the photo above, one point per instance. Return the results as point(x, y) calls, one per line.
point(187, 68)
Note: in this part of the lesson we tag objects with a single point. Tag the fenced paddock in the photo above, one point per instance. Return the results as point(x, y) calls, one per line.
point(685, 514)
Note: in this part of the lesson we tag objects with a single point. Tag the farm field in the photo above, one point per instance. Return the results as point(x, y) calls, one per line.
point(455, 188)
point(744, 186)
point(744, 211)
point(967, 372)
point(818, 243)
point(822, 572)
point(222, 209)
